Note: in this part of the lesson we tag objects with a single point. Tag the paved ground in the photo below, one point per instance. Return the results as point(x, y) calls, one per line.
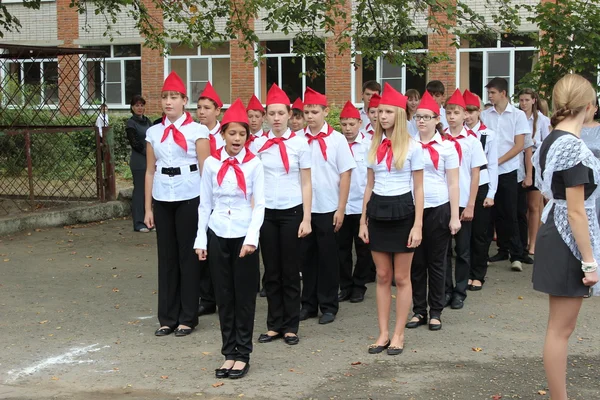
point(77, 316)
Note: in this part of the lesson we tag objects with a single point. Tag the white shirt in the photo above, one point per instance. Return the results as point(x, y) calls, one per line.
point(216, 133)
point(489, 175)
point(396, 182)
point(510, 123)
point(412, 129)
point(521, 172)
point(169, 154)
point(325, 175)
point(435, 185)
point(364, 117)
point(101, 122)
point(358, 182)
point(443, 119)
point(233, 215)
point(472, 157)
point(285, 189)
point(542, 129)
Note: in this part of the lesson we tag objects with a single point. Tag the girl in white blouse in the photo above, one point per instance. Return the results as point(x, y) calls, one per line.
point(391, 220)
point(233, 181)
point(175, 152)
point(286, 160)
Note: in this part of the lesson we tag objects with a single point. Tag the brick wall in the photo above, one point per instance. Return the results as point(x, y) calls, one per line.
point(337, 67)
point(153, 69)
point(441, 42)
point(68, 75)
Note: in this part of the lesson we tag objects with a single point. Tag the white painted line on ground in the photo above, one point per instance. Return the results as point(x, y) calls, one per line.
point(147, 317)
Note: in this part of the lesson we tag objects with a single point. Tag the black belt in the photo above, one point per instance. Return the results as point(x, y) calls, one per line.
point(483, 167)
point(172, 171)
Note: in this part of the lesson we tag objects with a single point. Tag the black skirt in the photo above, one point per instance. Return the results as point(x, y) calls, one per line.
point(556, 271)
point(390, 220)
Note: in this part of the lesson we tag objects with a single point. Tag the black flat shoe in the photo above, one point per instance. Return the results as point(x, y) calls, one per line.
point(222, 373)
point(457, 303)
point(326, 318)
point(357, 298)
point(291, 340)
point(206, 310)
point(239, 373)
point(447, 300)
point(394, 351)
point(415, 324)
point(435, 327)
point(498, 257)
point(304, 315)
point(376, 349)
point(344, 295)
point(474, 288)
point(266, 338)
point(163, 332)
point(183, 331)
point(527, 260)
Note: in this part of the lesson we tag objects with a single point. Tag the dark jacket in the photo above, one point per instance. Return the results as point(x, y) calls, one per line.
point(136, 134)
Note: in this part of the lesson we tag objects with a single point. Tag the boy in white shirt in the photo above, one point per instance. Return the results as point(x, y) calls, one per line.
point(369, 88)
point(102, 120)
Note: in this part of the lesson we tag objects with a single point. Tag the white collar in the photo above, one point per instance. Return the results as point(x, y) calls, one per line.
point(177, 123)
point(286, 135)
point(324, 129)
point(436, 137)
point(240, 156)
point(216, 129)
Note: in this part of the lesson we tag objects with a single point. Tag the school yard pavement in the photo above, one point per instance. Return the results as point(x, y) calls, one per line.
point(77, 317)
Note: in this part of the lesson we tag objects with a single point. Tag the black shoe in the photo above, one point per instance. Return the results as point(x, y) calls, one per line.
point(183, 331)
point(395, 351)
point(527, 259)
point(163, 332)
point(357, 297)
point(304, 315)
point(447, 300)
point(266, 338)
point(415, 324)
point(206, 310)
point(435, 327)
point(239, 373)
point(291, 340)
point(499, 257)
point(474, 288)
point(376, 349)
point(327, 318)
point(222, 373)
point(344, 295)
point(263, 292)
point(457, 303)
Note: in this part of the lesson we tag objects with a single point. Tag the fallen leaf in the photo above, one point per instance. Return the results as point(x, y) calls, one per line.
point(348, 374)
point(88, 256)
point(164, 377)
point(99, 286)
point(87, 265)
point(115, 290)
point(356, 363)
point(393, 296)
point(58, 327)
point(43, 322)
point(496, 397)
point(55, 378)
point(218, 384)
point(50, 259)
point(6, 259)
point(542, 392)
point(115, 276)
point(477, 349)
point(73, 252)
point(520, 297)
point(115, 369)
point(99, 258)
point(117, 306)
point(241, 395)
point(292, 370)
point(492, 316)
point(138, 276)
point(206, 353)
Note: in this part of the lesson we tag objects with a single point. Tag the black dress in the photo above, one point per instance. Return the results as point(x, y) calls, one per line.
point(556, 271)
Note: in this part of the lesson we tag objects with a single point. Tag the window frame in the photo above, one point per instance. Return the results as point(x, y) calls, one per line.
point(3, 72)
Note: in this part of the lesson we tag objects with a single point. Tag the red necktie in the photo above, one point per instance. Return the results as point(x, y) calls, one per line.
point(435, 156)
point(321, 139)
point(385, 150)
point(213, 143)
point(470, 132)
point(369, 129)
point(456, 145)
point(178, 137)
point(249, 141)
point(352, 144)
point(282, 150)
point(235, 164)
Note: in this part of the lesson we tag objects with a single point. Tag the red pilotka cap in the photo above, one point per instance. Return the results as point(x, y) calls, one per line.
point(210, 93)
point(313, 97)
point(392, 97)
point(471, 99)
point(174, 83)
point(255, 105)
point(374, 102)
point(298, 104)
point(277, 96)
point(349, 111)
point(236, 113)
point(457, 99)
point(428, 103)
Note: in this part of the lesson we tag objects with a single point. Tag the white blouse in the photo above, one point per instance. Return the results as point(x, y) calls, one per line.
point(435, 185)
point(358, 182)
point(490, 174)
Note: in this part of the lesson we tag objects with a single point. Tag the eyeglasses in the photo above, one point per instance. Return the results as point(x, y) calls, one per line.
point(423, 117)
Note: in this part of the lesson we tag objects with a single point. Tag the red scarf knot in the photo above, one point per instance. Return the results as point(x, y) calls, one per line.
point(235, 164)
point(385, 151)
point(321, 139)
point(178, 137)
point(433, 153)
point(456, 145)
point(279, 141)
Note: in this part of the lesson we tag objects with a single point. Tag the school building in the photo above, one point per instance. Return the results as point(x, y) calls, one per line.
point(131, 68)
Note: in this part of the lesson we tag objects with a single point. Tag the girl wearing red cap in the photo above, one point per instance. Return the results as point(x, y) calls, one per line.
point(440, 215)
point(286, 160)
point(296, 122)
point(175, 154)
point(391, 220)
point(233, 181)
point(256, 117)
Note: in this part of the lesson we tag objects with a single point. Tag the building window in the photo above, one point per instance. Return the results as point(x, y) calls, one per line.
point(292, 73)
point(196, 66)
point(32, 82)
point(479, 60)
point(122, 70)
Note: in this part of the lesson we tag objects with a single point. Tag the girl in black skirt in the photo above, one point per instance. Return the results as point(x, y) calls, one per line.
point(233, 181)
point(568, 242)
point(391, 220)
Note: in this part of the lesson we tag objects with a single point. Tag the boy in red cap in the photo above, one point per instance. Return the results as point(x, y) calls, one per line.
point(369, 89)
point(209, 109)
point(175, 153)
point(353, 286)
point(471, 158)
point(372, 114)
point(233, 176)
point(256, 117)
point(297, 123)
point(332, 158)
point(488, 183)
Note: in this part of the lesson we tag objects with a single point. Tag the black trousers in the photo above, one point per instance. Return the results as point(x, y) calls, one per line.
point(178, 266)
point(522, 206)
point(235, 282)
point(138, 209)
point(504, 215)
point(280, 249)
point(429, 262)
point(353, 282)
point(320, 269)
point(462, 264)
point(479, 236)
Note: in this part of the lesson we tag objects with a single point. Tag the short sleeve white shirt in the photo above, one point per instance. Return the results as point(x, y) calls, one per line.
point(510, 123)
point(435, 184)
point(235, 215)
point(170, 155)
point(490, 174)
point(397, 182)
point(325, 175)
point(285, 188)
point(472, 157)
point(521, 172)
point(360, 150)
